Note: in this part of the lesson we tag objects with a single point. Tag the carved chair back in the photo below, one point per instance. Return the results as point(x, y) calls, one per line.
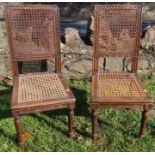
point(33, 34)
point(117, 32)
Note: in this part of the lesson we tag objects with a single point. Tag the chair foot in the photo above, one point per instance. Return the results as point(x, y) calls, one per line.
point(21, 145)
point(94, 125)
point(70, 134)
point(70, 123)
point(19, 132)
point(145, 115)
point(94, 138)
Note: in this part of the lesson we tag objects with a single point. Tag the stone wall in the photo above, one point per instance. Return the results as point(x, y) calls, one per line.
point(77, 53)
point(5, 69)
point(77, 63)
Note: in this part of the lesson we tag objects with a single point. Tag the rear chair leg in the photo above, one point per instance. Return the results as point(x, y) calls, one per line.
point(145, 115)
point(70, 123)
point(19, 132)
point(94, 124)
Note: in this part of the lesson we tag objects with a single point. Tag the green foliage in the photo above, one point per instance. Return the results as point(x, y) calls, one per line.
point(118, 129)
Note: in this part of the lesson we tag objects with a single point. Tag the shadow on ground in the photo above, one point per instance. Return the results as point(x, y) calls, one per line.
point(5, 101)
point(81, 109)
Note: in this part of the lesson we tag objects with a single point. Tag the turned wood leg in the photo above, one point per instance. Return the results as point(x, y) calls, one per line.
point(94, 124)
point(19, 132)
point(70, 123)
point(145, 114)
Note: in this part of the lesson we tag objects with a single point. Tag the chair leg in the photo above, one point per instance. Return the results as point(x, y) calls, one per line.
point(94, 124)
point(70, 123)
point(19, 132)
point(145, 115)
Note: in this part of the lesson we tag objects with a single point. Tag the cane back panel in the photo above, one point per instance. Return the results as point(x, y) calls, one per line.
point(117, 30)
point(33, 31)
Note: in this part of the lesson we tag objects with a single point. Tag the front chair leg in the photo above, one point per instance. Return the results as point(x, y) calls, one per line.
point(94, 124)
point(70, 123)
point(19, 132)
point(145, 115)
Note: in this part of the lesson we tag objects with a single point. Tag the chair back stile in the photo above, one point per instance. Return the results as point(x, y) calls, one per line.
point(33, 34)
point(116, 33)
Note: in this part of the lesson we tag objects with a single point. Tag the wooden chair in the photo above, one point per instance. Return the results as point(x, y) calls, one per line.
point(117, 34)
point(33, 34)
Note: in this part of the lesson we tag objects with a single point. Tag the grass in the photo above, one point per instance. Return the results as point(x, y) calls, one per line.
point(118, 129)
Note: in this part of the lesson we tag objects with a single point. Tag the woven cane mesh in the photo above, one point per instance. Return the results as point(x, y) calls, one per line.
point(119, 85)
point(117, 30)
point(40, 87)
point(33, 31)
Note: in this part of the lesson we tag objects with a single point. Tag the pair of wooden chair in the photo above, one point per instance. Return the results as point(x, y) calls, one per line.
point(33, 34)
